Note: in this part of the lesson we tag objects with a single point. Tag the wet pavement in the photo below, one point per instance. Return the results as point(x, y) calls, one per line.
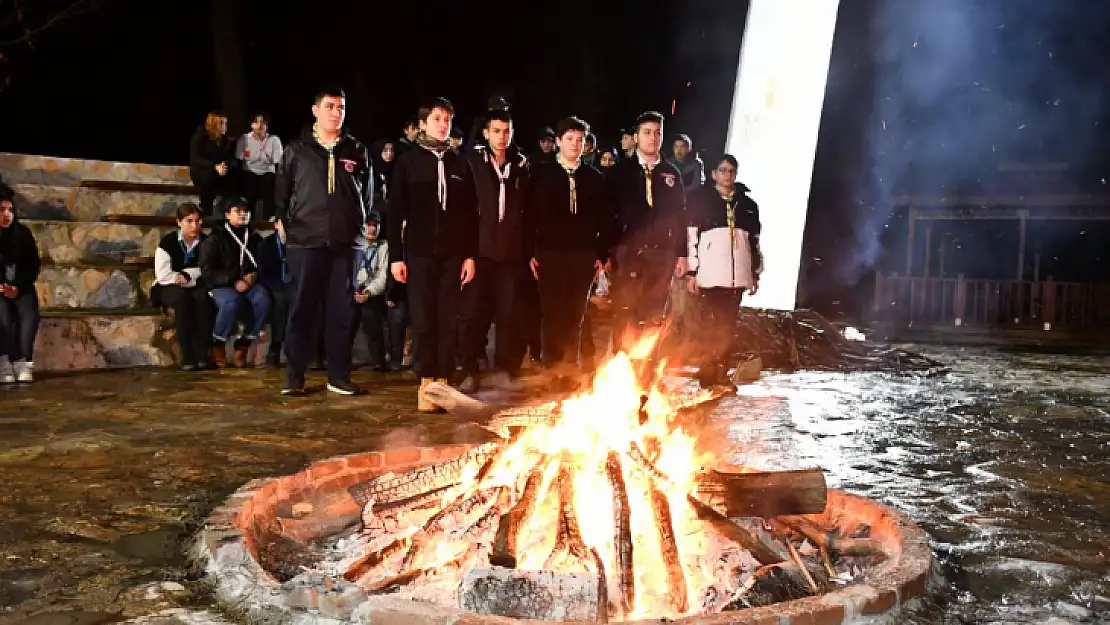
point(1005, 462)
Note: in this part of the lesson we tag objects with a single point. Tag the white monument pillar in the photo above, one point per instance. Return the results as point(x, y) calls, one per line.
point(776, 113)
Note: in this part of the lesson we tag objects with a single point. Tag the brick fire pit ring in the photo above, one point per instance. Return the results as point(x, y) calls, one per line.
point(239, 541)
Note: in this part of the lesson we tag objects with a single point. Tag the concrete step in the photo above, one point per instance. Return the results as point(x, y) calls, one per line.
point(71, 242)
point(69, 341)
point(48, 170)
point(94, 287)
point(61, 203)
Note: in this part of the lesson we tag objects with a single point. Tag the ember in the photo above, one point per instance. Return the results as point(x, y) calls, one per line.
point(605, 484)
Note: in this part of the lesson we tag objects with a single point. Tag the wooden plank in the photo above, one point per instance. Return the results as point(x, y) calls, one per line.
point(765, 494)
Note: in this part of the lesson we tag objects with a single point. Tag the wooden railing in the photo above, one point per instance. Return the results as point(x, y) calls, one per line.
point(962, 301)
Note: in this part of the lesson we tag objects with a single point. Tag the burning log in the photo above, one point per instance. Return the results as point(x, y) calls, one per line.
point(765, 551)
point(508, 529)
point(622, 532)
point(568, 540)
point(434, 525)
point(668, 546)
point(765, 494)
point(390, 487)
point(373, 560)
point(602, 587)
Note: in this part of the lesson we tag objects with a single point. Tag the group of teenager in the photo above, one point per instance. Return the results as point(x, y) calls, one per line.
point(460, 227)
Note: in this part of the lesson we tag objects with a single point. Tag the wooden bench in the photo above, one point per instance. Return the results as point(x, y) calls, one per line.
point(130, 186)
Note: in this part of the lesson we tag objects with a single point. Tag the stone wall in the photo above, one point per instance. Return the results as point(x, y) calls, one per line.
point(99, 342)
point(84, 204)
point(67, 172)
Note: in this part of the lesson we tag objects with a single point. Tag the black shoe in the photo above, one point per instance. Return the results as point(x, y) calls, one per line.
point(273, 360)
point(188, 367)
point(394, 367)
point(293, 385)
point(377, 366)
point(344, 387)
point(316, 365)
point(203, 365)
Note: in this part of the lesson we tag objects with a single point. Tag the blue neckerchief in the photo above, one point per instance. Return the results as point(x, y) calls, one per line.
point(189, 252)
point(281, 257)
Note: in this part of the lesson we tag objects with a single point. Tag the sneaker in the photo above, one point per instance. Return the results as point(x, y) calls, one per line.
point(7, 373)
point(188, 367)
point(344, 387)
point(293, 386)
point(24, 371)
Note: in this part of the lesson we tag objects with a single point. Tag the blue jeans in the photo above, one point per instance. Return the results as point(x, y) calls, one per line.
point(19, 323)
point(228, 301)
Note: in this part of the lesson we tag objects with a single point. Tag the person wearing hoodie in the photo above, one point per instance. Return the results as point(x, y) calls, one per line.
point(690, 167)
point(325, 188)
point(19, 302)
point(725, 261)
point(500, 174)
point(212, 162)
point(369, 307)
point(433, 240)
point(383, 153)
point(229, 265)
point(260, 152)
point(178, 285)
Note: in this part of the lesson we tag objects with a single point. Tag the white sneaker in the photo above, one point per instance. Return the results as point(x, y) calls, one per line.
point(7, 374)
point(23, 371)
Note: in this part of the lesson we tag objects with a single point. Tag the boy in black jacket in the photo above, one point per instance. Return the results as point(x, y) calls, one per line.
point(19, 302)
point(650, 227)
point(229, 265)
point(324, 190)
point(500, 181)
point(567, 239)
point(433, 239)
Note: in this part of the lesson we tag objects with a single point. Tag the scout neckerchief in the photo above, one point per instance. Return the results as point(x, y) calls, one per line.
point(571, 171)
point(730, 215)
point(330, 147)
point(190, 251)
point(439, 149)
point(502, 176)
point(648, 168)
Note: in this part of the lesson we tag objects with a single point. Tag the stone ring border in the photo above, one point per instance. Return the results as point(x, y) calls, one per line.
point(226, 548)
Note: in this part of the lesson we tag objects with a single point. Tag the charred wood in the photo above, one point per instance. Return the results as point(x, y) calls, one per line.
point(391, 487)
point(622, 532)
point(765, 494)
point(510, 523)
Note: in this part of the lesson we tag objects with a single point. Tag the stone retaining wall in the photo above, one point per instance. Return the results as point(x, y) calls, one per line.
point(99, 342)
point(234, 538)
point(67, 172)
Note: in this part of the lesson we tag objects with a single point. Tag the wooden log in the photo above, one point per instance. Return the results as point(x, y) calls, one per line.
point(535, 595)
point(434, 525)
point(763, 550)
point(622, 533)
point(829, 541)
point(510, 524)
point(668, 549)
point(367, 563)
point(568, 540)
point(391, 487)
point(765, 494)
point(602, 587)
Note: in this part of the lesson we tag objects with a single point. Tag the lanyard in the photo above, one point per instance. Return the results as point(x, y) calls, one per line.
point(243, 251)
point(281, 257)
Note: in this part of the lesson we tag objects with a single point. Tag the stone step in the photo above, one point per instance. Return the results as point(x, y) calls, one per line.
point(94, 287)
point(48, 170)
point(59, 203)
point(70, 242)
point(69, 341)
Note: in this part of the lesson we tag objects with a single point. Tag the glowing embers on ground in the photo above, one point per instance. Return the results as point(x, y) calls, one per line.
point(599, 483)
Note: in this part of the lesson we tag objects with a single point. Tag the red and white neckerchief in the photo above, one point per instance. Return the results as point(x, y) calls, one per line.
point(501, 178)
point(571, 171)
point(243, 251)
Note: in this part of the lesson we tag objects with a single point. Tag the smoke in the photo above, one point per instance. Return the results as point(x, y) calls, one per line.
point(960, 87)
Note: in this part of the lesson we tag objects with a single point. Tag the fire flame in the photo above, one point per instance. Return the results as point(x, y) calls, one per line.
point(614, 415)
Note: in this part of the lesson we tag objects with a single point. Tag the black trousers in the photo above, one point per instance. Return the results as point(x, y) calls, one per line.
point(491, 298)
point(565, 278)
point(371, 316)
point(320, 275)
point(528, 314)
point(717, 328)
point(259, 187)
point(434, 293)
point(641, 287)
point(210, 186)
point(19, 323)
point(279, 317)
point(193, 316)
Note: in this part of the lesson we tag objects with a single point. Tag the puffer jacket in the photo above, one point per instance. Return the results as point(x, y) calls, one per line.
point(723, 257)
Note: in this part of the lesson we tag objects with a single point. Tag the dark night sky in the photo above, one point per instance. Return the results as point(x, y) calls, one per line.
point(987, 82)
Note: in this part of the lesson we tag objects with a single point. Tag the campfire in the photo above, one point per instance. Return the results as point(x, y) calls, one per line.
point(598, 507)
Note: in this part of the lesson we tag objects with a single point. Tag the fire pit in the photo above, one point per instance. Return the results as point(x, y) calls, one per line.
point(595, 508)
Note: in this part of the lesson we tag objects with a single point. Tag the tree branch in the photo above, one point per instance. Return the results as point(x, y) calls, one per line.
point(73, 9)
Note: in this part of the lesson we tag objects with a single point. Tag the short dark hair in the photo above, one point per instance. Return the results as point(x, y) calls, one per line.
point(685, 138)
point(457, 133)
point(432, 104)
point(648, 117)
point(264, 115)
point(591, 138)
point(630, 131)
point(7, 194)
point(571, 123)
point(329, 91)
point(498, 115)
point(410, 122)
point(185, 209)
point(730, 159)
